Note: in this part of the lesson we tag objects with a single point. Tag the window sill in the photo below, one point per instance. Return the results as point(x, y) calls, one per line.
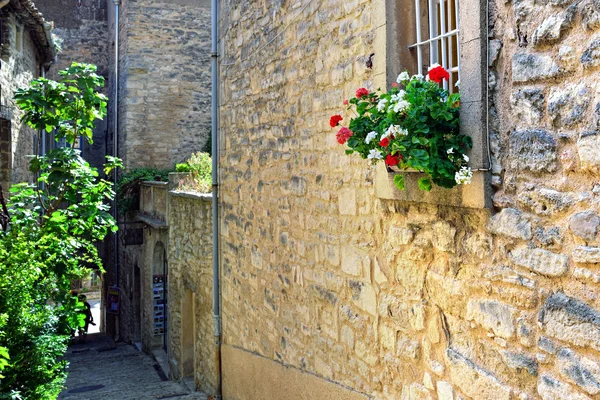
point(475, 195)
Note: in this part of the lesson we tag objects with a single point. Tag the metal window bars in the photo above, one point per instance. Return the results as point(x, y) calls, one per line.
point(443, 22)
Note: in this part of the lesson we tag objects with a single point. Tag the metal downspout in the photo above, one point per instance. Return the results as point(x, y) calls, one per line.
point(215, 191)
point(116, 152)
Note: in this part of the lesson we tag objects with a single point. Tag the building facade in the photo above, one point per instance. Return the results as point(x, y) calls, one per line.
point(27, 50)
point(332, 279)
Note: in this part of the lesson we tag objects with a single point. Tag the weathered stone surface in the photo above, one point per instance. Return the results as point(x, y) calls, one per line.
point(586, 254)
point(587, 146)
point(445, 391)
point(400, 235)
point(591, 56)
point(364, 296)
point(533, 67)
point(444, 236)
point(554, 26)
point(415, 391)
point(521, 361)
point(550, 388)
point(511, 222)
point(568, 57)
point(571, 320)
point(541, 261)
point(585, 224)
point(528, 106)
point(580, 371)
point(494, 51)
point(474, 381)
point(590, 13)
point(493, 315)
point(568, 106)
point(544, 201)
point(533, 150)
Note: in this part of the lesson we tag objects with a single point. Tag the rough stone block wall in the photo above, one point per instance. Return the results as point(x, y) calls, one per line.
point(18, 69)
point(83, 29)
point(407, 300)
point(165, 78)
point(190, 268)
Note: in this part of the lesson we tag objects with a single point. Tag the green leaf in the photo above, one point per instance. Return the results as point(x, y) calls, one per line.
point(425, 184)
point(399, 181)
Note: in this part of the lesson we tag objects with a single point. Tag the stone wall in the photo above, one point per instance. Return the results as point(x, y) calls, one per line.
point(83, 29)
point(397, 299)
point(190, 269)
point(20, 64)
point(165, 78)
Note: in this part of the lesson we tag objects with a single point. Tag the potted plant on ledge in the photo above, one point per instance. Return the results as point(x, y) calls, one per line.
point(416, 128)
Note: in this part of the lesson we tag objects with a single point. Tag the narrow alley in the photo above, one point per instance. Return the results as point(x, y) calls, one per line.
point(102, 369)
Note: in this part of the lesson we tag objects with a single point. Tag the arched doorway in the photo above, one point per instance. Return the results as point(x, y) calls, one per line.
point(159, 292)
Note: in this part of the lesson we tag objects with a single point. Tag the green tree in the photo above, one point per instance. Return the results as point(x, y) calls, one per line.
point(54, 226)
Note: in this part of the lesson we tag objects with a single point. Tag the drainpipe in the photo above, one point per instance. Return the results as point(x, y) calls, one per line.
point(116, 152)
point(215, 192)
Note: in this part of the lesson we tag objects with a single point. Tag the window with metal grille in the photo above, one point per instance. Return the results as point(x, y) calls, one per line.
point(437, 37)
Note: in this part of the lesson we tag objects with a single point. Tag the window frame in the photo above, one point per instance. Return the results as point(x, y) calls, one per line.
point(394, 33)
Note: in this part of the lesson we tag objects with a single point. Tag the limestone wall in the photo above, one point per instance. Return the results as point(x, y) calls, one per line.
point(190, 270)
point(20, 65)
point(165, 78)
point(83, 29)
point(406, 300)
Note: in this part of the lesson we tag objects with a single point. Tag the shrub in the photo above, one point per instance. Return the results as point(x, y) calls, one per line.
point(200, 168)
point(128, 186)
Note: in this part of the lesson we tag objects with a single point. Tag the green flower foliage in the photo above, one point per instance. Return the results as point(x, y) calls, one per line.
point(51, 240)
point(199, 166)
point(412, 128)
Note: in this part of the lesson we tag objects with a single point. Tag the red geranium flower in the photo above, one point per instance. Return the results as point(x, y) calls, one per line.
point(335, 120)
point(394, 84)
point(343, 135)
point(361, 92)
point(385, 142)
point(346, 102)
point(392, 160)
point(438, 74)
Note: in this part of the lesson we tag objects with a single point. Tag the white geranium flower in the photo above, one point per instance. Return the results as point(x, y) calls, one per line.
point(457, 84)
point(401, 106)
point(398, 97)
point(381, 106)
point(463, 176)
point(465, 157)
point(375, 154)
point(450, 151)
point(394, 131)
point(370, 136)
point(403, 77)
point(417, 77)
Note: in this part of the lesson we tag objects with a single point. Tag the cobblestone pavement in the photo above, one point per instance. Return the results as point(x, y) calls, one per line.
point(105, 370)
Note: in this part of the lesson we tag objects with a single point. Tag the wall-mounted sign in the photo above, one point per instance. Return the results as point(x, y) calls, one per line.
point(113, 300)
point(158, 297)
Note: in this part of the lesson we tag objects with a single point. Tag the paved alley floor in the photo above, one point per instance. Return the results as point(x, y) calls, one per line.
point(104, 370)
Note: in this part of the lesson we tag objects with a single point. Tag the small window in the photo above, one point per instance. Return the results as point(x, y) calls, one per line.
point(437, 37)
point(19, 39)
point(411, 35)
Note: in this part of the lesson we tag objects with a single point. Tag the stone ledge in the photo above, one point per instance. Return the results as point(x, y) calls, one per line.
point(155, 183)
point(192, 195)
point(152, 222)
point(475, 195)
